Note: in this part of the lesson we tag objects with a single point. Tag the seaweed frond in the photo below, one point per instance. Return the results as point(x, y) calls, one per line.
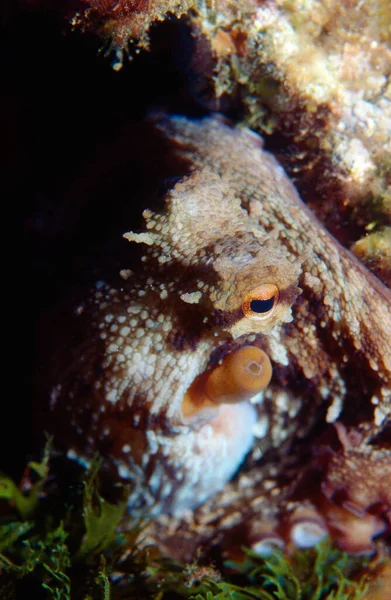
point(318, 573)
point(101, 518)
point(64, 540)
point(25, 497)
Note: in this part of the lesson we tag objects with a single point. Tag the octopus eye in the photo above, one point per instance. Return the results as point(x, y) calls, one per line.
point(261, 301)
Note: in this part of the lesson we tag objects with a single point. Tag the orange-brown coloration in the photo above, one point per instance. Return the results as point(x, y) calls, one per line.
point(222, 44)
point(261, 302)
point(352, 533)
point(379, 579)
point(240, 376)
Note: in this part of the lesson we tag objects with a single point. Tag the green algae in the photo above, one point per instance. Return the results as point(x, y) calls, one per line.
point(80, 552)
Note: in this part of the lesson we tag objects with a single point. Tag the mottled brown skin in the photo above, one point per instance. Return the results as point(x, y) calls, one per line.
point(246, 225)
point(147, 336)
point(343, 311)
point(332, 362)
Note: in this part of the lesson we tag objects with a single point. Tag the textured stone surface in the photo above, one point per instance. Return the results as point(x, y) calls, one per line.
point(312, 75)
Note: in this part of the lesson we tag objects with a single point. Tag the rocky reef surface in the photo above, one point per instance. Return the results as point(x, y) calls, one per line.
point(314, 76)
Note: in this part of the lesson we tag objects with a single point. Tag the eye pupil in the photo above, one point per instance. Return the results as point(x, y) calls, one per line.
point(261, 301)
point(262, 306)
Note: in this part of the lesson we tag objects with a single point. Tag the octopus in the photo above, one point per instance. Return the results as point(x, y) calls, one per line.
point(237, 378)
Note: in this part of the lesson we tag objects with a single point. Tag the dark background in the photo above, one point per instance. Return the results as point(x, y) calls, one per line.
point(66, 177)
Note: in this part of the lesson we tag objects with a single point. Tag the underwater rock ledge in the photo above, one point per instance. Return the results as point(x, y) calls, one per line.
point(314, 76)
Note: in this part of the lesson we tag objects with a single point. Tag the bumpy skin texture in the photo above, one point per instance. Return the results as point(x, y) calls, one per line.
point(235, 224)
point(147, 337)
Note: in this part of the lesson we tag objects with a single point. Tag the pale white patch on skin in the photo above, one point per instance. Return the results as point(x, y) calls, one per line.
point(334, 410)
point(191, 298)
